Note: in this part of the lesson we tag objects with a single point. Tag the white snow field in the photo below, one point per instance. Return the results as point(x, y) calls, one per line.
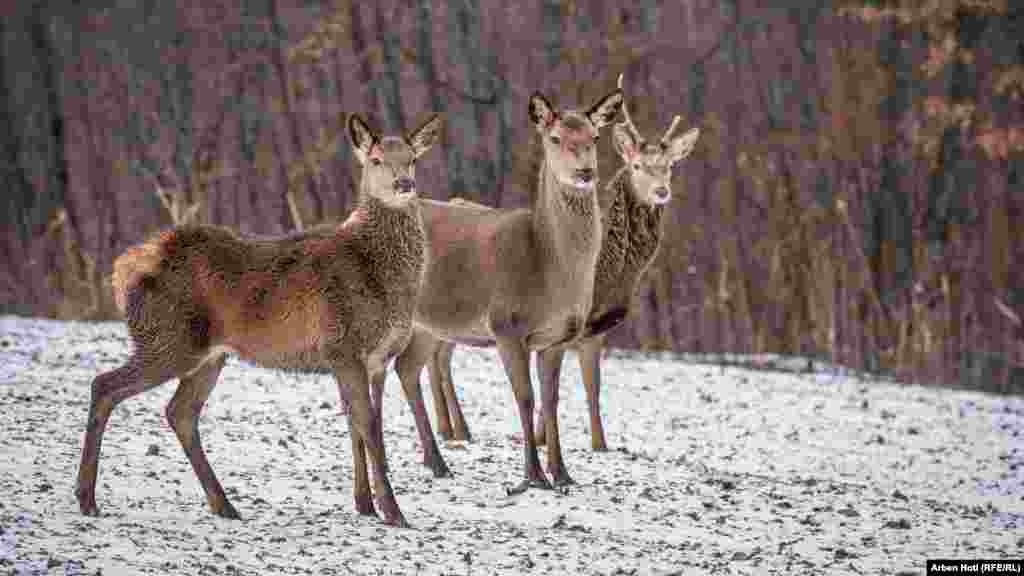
point(712, 470)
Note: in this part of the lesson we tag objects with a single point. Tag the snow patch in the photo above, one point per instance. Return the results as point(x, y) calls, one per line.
point(726, 469)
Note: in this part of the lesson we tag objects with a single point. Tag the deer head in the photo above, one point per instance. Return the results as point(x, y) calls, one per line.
point(389, 163)
point(570, 137)
point(649, 166)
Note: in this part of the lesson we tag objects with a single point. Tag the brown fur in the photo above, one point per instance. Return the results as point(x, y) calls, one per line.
point(522, 279)
point(334, 298)
point(632, 235)
point(129, 267)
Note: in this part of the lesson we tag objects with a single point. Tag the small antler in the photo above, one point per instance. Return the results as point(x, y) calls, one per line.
point(625, 112)
point(671, 129)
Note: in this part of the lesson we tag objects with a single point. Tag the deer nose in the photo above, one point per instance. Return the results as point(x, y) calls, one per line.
point(661, 192)
point(405, 185)
point(585, 174)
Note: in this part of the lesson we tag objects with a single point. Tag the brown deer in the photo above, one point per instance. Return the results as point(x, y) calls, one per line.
point(521, 279)
point(334, 298)
point(632, 233)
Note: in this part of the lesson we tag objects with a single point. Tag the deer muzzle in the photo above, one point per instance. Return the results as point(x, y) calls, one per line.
point(585, 175)
point(405, 185)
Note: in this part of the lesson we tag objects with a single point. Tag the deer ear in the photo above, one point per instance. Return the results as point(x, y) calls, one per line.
point(422, 138)
point(604, 111)
point(542, 114)
point(362, 136)
point(681, 146)
point(625, 145)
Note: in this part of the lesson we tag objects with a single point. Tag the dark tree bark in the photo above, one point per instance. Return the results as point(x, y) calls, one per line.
point(807, 221)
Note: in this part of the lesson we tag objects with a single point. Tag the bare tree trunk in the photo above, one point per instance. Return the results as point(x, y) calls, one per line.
point(307, 184)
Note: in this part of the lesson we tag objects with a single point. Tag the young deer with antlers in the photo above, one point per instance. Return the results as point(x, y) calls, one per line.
point(632, 234)
point(520, 279)
point(336, 298)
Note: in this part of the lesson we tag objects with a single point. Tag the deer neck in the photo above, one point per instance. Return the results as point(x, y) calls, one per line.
point(393, 236)
point(568, 222)
point(644, 224)
point(614, 241)
point(632, 232)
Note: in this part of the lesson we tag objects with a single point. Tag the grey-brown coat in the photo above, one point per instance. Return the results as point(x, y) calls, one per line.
point(520, 279)
point(632, 234)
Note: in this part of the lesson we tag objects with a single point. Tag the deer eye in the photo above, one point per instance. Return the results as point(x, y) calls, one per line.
point(375, 161)
point(555, 139)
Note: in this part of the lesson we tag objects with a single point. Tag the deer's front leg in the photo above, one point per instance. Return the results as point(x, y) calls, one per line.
point(516, 360)
point(549, 364)
point(364, 422)
point(409, 365)
point(347, 378)
point(540, 432)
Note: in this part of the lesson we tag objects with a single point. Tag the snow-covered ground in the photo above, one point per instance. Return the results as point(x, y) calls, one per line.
point(712, 471)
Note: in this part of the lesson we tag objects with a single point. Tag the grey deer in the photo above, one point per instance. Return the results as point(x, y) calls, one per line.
point(519, 279)
point(632, 220)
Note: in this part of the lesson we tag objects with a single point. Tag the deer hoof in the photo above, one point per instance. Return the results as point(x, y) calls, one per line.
point(440, 469)
point(392, 514)
point(364, 506)
point(89, 509)
point(87, 502)
point(227, 510)
point(528, 483)
point(562, 481)
point(398, 521)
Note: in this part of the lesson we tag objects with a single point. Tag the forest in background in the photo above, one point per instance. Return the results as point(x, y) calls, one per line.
point(856, 195)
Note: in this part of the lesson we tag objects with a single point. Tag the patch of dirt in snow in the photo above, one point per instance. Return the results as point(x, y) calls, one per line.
point(712, 470)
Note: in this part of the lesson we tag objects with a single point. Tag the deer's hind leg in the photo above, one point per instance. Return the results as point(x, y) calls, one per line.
point(590, 365)
point(183, 415)
point(436, 370)
point(166, 346)
point(142, 372)
point(443, 361)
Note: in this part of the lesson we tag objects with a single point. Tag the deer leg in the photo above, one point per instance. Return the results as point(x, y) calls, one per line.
point(182, 413)
point(108, 390)
point(549, 364)
point(589, 356)
point(360, 476)
point(363, 421)
point(540, 432)
point(436, 373)
point(516, 360)
point(443, 357)
point(377, 379)
point(408, 365)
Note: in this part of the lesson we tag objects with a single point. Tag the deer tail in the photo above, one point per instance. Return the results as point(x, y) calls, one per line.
point(135, 264)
